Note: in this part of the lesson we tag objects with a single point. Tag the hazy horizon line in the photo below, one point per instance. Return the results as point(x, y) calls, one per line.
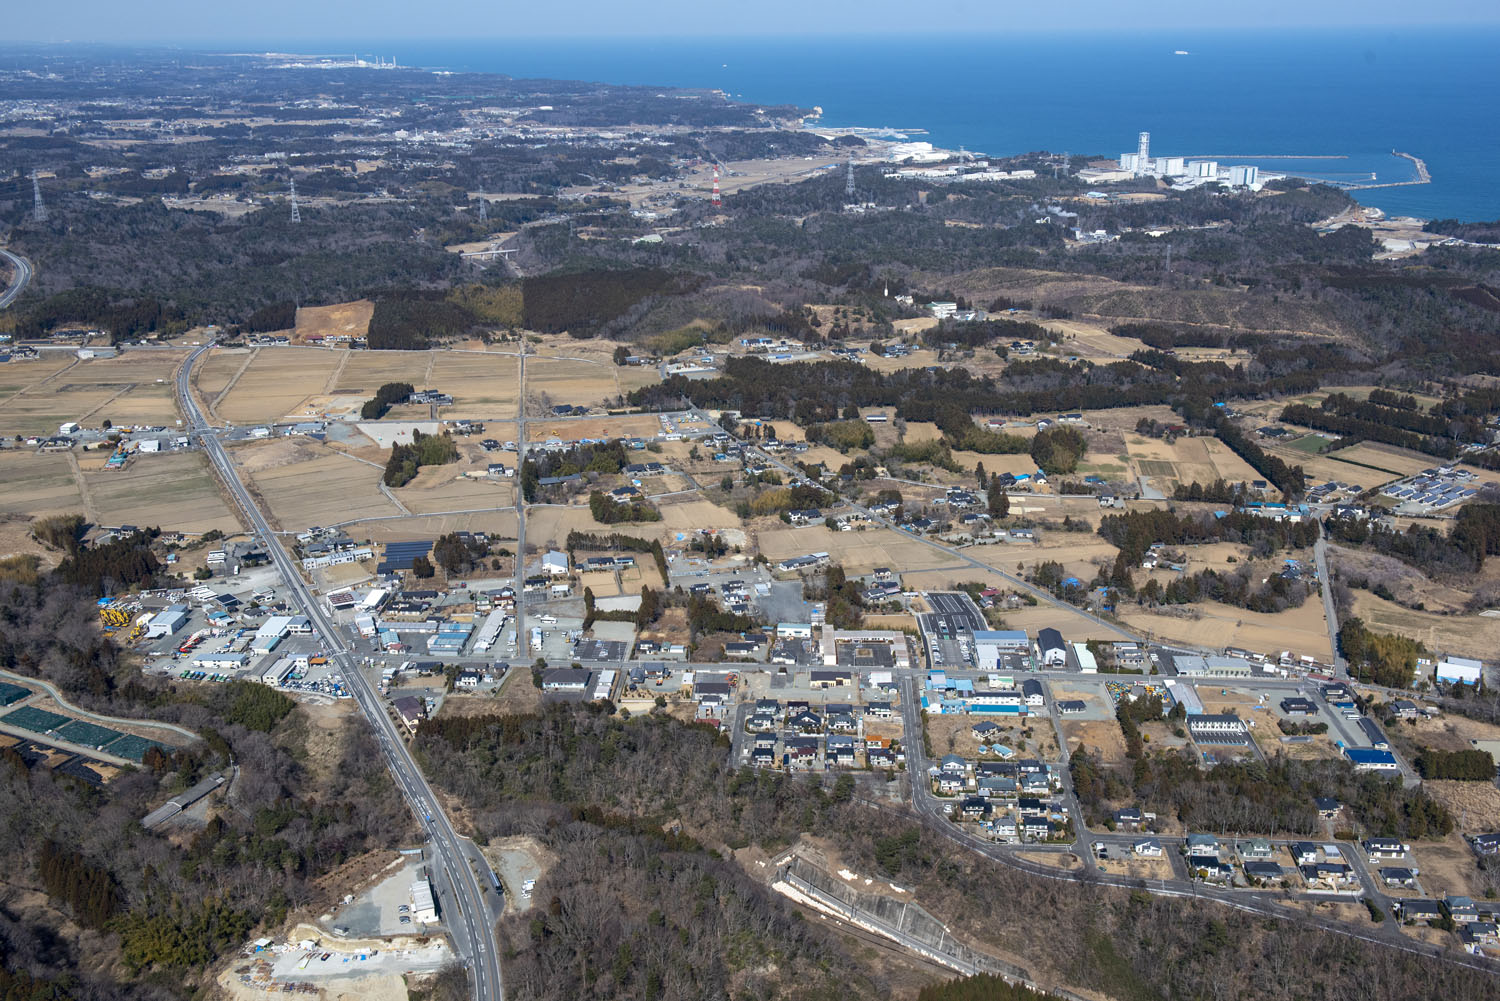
point(333, 46)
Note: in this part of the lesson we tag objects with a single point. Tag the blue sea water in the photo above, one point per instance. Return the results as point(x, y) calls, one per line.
point(1238, 96)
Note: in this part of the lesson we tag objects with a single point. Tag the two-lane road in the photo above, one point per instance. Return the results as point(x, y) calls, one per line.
point(468, 916)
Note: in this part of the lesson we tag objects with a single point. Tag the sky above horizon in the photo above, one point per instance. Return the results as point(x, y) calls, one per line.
point(286, 21)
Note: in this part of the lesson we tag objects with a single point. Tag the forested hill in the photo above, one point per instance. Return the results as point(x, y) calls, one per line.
point(132, 915)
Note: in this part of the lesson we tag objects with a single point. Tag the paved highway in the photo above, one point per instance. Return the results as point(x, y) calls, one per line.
point(470, 906)
point(23, 277)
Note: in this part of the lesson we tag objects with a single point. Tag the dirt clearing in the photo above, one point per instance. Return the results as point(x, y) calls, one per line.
point(349, 319)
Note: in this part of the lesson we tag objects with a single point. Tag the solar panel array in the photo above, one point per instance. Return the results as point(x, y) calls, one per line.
point(81, 732)
point(399, 555)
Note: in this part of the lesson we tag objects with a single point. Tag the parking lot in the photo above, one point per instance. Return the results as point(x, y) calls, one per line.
point(385, 908)
point(948, 629)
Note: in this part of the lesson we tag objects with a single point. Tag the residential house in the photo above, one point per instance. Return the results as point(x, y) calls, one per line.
point(1266, 871)
point(985, 730)
point(1419, 910)
point(1128, 818)
point(841, 723)
point(1485, 844)
point(950, 784)
point(974, 807)
point(840, 751)
point(1386, 848)
point(1480, 937)
point(881, 757)
point(1032, 689)
point(1147, 848)
point(1202, 846)
point(806, 722)
point(953, 764)
point(1461, 909)
point(1304, 852)
point(1328, 807)
point(1333, 875)
point(1397, 876)
point(1256, 850)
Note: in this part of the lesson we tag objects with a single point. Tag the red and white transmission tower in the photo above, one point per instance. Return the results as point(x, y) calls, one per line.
point(718, 202)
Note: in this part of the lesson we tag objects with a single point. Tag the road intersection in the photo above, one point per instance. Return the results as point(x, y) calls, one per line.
point(460, 873)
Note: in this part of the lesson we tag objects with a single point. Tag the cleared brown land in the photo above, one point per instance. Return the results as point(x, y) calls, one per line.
point(366, 371)
point(954, 735)
point(857, 552)
point(174, 491)
point(277, 383)
point(499, 524)
point(325, 490)
point(1102, 736)
point(1058, 860)
point(351, 319)
point(482, 386)
point(38, 484)
point(1475, 805)
point(1300, 630)
point(213, 372)
point(1448, 867)
point(554, 381)
point(37, 396)
point(1139, 868)
point(1449, 733)
point(1186, 460)
point(1464, 635)
point(628, 426)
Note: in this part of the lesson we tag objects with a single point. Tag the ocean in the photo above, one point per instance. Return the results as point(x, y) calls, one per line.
point(1241, 97)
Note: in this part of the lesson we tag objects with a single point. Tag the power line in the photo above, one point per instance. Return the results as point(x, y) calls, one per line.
point(39, 211)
